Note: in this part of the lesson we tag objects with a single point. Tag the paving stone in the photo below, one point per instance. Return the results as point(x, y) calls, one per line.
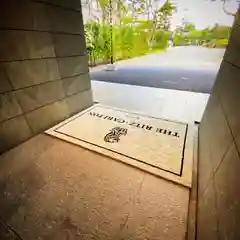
point(20, 177)
point(24, 153)
point(19, 188)
point(89, 196)
point(41, 214)
point(159, 211)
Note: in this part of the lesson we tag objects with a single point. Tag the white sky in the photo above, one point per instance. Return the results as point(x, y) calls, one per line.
point(203, 13)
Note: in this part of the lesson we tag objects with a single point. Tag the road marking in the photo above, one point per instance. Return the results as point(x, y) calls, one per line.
point(184, 78)
point(170, 82)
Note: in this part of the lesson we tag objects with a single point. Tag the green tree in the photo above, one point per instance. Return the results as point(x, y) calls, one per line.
point(163, 15)
point(161, 19)
point(189, 27)
point(138, 27)
point(206, 34)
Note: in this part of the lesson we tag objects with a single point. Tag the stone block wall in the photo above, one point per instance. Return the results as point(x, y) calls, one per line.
point(219, 151)
point(43, 67)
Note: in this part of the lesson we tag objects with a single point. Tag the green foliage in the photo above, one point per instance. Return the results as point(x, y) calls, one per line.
point(195, 34)
point(161, 40)
point(163, 14)
point(128, 41)
point(167, 9)
point(133, 34)
point(189, 27)
point(220, 43)
point(178, 40)
point(218, 36)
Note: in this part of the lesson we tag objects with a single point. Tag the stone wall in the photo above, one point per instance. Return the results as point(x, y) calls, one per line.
point(43, 67)
point(219, 147)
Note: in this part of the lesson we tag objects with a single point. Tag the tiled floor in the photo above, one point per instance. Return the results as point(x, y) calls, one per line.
point(51, 189)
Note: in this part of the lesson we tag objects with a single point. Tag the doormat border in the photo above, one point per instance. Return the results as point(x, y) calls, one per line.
point(109, 149)
point(184, 178)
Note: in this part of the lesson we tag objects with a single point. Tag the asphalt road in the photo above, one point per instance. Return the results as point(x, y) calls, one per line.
point(182, 68)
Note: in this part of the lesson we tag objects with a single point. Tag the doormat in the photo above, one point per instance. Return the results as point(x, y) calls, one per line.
point(152, 144)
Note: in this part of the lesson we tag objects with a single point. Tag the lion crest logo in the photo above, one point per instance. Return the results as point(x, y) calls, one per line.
point(115, 134)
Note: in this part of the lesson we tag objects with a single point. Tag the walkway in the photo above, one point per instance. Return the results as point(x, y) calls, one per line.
point(54, 190)
point(169, 104)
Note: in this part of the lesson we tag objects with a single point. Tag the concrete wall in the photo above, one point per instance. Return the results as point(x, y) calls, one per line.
point(219, 147)
point(43, 67)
